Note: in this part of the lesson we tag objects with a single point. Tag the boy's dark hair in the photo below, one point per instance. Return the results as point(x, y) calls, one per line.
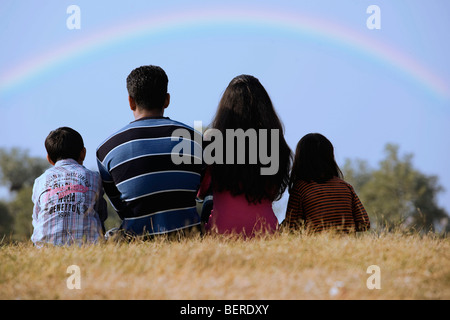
point(246, 104)
point(147, 85)
point(314, 160)
point(64, 143)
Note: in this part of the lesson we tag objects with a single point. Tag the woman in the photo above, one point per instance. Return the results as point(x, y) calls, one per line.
point(243, 186)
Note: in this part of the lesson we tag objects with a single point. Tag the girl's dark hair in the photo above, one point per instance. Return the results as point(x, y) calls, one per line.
point(64, 143)
point(245, 104)
point(314, 160)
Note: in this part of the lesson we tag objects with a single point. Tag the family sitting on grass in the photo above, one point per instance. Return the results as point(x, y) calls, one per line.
point(155, 196)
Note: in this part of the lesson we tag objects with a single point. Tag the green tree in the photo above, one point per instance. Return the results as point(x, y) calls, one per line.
point(113, 220)
point(397, 194)
point(18, 169)
point(22, 207)
point(6, 219)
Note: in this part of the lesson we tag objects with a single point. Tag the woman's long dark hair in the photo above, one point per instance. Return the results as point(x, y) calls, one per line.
point(314, 160)
point(245, 104)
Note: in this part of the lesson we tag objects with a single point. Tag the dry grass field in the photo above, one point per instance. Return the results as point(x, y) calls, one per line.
point(285, 267)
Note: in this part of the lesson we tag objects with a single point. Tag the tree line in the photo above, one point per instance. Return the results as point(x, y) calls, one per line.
point(395, 193)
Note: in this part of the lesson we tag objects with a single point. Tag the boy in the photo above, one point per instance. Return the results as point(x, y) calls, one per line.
point(68, 198)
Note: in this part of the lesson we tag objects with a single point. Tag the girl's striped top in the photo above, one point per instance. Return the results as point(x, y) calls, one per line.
point(329, 205)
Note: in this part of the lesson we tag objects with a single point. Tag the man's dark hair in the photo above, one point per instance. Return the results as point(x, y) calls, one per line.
point(64, 143)
point(147, 85)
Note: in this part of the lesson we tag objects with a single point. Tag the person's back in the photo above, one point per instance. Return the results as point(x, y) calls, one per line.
point(234, 215)
point(329, 205)
point(68, 198)
point(248, 181)
point(150, 192)
point(319, 199)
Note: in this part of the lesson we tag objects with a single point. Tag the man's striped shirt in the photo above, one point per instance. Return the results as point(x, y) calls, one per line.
point(151, 193)
point(330, 205)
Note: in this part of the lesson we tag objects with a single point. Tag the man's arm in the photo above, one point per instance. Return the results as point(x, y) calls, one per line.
point(111, 191)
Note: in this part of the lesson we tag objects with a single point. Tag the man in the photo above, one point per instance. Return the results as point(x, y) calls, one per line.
point(151, 194)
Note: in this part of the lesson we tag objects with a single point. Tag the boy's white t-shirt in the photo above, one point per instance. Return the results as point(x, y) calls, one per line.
point(68, 203)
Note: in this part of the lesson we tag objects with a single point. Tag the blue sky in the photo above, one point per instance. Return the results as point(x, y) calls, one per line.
point(323, 68)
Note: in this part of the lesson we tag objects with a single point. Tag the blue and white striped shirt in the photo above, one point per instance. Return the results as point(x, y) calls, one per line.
point(151, 193)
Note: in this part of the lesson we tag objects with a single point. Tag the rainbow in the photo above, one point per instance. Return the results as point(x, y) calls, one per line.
point(324, 30)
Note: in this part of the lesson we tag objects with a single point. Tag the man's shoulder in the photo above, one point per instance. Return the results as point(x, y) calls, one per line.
point(158, 123)
point(147, 123)
point(143, 129)
point(180, 124)
point(128, 131)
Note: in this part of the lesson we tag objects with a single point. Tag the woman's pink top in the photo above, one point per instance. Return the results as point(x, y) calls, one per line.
point(235, 215)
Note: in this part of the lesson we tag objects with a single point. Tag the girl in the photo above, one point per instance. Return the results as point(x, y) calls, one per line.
point(242, 195)
point(318, 197)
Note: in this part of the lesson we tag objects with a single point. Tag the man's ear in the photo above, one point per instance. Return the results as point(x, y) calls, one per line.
point(82, 156)
point(167, 101)
point(50, 160)
point(132, 103)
